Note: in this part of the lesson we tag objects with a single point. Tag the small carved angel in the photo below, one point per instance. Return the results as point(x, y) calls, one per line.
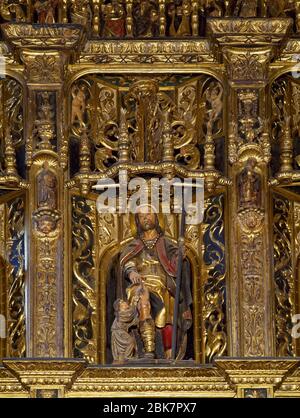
point(214, 97)
point(78, 104)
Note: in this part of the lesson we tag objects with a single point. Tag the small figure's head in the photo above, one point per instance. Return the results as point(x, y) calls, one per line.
point(143, 6)
point(248, 106)
point(46, 225)
point(153, 16)
point(251, 163)
point(121, 305)
point(146, 219)
point(214, 93)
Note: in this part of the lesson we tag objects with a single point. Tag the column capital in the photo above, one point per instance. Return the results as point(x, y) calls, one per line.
point(247, 66)
point(69, 39)
point(249, 32)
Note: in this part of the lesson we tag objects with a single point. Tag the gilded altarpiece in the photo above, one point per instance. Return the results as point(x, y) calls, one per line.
point(91, 90)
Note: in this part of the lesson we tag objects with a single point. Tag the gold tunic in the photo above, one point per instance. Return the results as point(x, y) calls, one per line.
point(147, 264)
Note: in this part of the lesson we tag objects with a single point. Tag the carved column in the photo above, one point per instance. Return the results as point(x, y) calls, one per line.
point(44, 72)
point(250, 287)
point(251, 292)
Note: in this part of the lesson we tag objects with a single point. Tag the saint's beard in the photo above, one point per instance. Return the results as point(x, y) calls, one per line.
point(148, 227)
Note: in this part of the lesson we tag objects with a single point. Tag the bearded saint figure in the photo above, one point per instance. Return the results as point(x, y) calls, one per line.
point(148, 267)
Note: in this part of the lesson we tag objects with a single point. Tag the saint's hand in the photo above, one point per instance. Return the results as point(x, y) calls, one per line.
point(135, 277)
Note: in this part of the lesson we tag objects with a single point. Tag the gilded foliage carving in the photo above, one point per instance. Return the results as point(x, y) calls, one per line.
point(137, 52)
point(12, 107)
point(285, 126)
point(283, 275)
point(43, 68)
point(214, 309)
point(250, 250)
point(151, 91)
point(251, 65)
point(84, 292)
point(47, 229)
point(194, 110)
point(11, 128)
point(16, 277)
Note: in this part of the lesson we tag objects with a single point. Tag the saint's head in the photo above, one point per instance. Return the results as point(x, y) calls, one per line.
point(146, 219)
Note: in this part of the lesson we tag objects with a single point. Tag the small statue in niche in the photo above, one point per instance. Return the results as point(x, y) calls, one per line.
point(145, 17)
point(148, 267)
point(41, 10)
point(47, 189)
point(44, 126)
point(81, 13)
point(251, 125)
point(280, 8)
point(45, 11)
point(246, 8)
point(212, 8)
point(50, 17)
point(214, 95)
point(249, 184)
point(114, 19)
point(123, 343)
point(180, 15)
point(13, 11)
point(78, 105)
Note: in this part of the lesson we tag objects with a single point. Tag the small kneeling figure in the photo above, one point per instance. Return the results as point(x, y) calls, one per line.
point(123, 344)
